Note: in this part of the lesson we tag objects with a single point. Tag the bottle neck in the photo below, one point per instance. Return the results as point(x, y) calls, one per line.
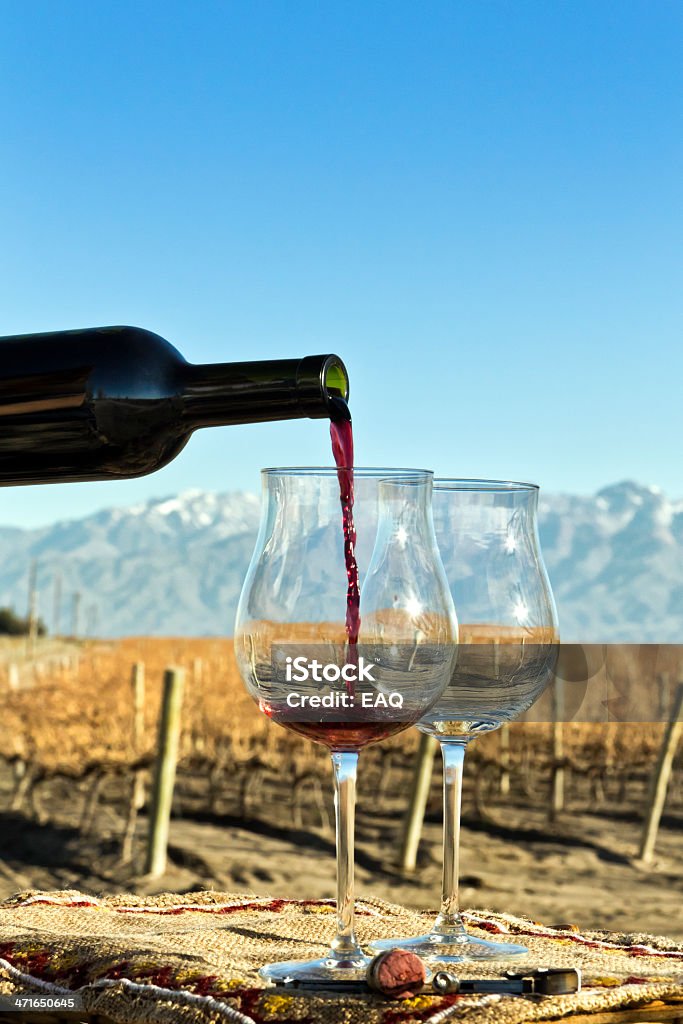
point(216, 394)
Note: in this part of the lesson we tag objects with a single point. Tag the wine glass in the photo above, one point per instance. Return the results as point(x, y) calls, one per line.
point(308, 661)
point(488, 538)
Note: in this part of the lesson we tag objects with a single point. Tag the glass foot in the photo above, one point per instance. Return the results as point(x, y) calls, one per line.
point(452, 949)
point(328, 968)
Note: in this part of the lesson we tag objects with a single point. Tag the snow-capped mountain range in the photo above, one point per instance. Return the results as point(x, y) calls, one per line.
point(175, 566)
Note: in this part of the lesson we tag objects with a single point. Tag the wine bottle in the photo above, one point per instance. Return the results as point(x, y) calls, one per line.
point(114, 402)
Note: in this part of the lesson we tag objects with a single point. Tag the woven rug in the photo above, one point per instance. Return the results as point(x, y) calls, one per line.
point(194, 958)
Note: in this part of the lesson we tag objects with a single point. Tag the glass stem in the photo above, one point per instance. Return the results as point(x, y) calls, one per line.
point(449, 921)
point(344, 763)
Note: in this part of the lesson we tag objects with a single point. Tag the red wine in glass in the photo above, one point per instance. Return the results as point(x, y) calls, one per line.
point(354, 733)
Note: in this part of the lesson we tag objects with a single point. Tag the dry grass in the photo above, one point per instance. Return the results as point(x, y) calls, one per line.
point(68, 717)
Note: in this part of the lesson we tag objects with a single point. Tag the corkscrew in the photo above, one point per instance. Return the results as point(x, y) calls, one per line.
point(399, 974)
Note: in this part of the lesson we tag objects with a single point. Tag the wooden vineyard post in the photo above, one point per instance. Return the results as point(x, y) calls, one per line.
point(164, 775)
point(57, 606)
point(660, 778)
point(419, 793)
point(558, 765)
point(138, 685)
point(664, 696)
point(137, 798)
point(75, 609)
point(32, 610)
point(504, 734)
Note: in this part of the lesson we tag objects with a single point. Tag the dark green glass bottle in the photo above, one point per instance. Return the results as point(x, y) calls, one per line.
point(116, 402)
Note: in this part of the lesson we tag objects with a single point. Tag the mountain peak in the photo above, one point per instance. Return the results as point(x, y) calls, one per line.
point(195, 509)
point(628, 496)
point(628, 488)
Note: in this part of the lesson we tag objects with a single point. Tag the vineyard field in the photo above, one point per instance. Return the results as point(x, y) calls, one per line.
point(251, 797)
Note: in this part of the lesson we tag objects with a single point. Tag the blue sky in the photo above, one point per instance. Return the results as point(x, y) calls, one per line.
point(476, 204)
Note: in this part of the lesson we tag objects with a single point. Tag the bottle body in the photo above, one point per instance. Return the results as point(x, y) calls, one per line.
point(118, 402)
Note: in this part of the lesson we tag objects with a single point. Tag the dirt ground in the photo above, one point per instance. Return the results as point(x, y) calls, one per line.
point(582, 869)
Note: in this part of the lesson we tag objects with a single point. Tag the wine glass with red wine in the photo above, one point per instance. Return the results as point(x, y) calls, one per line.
point(488, 540)
point(345, 634)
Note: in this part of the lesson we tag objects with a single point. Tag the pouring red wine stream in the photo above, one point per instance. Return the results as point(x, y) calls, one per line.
point(341, 432)
point(358, 727)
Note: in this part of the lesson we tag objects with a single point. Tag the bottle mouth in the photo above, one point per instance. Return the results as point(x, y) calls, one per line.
point(335, 378)
point(323, 387)
point(335, 382)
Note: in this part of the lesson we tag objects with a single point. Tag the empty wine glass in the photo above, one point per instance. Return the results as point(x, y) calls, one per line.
point(488, 538)
point(295, 635)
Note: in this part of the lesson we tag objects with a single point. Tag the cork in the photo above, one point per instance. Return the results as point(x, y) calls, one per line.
point(396, 973)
